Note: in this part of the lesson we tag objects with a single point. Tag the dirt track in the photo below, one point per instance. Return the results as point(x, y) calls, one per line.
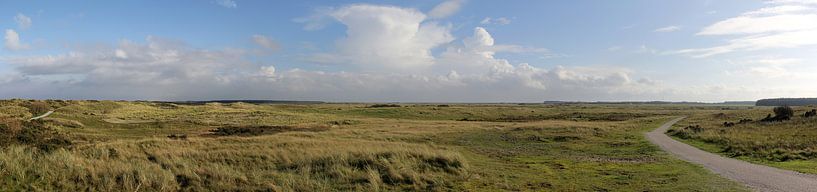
point(757, 177)
point(42, 116)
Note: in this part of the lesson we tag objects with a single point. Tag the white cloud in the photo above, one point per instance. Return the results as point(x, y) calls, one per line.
point(497, 21)
point(386, 37)
point(782, 9)
point(157, 61)
point(758, 42)
point(227, 3)
point(786, 24)
point(761, 24)
point(265, 42)
point(13, 41)
point(23, 21)
point(668, 29)
point(445, 9)
point(777, 61)
point(804, 2)
point(121, 54)
point(390, 45)
point(167, 70)
point(268, 71)
point(771, 67)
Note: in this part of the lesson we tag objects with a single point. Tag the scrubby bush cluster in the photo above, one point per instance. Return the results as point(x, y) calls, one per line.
point(262, 130)
point(742, 121)
point(34, 133)
point(686, 132)
point(779, 137)
point(38, 107)
point(811, 113)
point(383, 105)
point(782, 113)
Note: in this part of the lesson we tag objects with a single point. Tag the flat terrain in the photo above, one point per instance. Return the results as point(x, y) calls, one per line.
point(147, 146)
point(790, 144)
point(758, 177)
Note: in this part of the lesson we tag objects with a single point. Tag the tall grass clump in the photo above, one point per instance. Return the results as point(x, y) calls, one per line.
point(277, 163)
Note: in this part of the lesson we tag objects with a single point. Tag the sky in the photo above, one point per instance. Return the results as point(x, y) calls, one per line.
point(409, 51)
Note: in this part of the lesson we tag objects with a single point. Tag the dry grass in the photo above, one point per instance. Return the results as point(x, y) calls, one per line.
point(280, 163)
point(791, 142)
point(124, 146)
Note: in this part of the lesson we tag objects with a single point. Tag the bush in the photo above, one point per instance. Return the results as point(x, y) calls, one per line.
point(811, 113)
point(383, 105)
point(31, 133)
point(783, 111)
point(262, 130)
point(38, 108)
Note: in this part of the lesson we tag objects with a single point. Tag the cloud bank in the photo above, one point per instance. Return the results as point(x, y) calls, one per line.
point(389, 54)
point(782, 24)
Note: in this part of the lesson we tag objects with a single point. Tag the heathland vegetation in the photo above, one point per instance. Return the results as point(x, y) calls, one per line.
point(783, 137)
point(151, 146)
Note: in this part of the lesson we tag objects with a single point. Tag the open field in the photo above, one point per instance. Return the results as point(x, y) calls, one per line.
point(132, 146)
point(790, 144)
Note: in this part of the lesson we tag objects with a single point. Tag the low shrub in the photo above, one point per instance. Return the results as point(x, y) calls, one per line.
point(784, 111)
point(384, 105)
point(811, 113)
point(262, 130)
point(33, 133)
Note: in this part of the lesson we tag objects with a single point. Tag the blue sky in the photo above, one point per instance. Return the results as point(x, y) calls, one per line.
point(428, 50)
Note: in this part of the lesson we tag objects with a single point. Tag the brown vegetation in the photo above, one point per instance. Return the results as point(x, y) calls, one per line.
point(262, 130)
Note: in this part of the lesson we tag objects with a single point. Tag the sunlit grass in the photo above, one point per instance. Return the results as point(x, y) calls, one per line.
point(124, 146)
point(789, 144)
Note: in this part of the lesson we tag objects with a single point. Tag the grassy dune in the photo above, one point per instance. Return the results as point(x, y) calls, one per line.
point(789, 144)
point(124, 146)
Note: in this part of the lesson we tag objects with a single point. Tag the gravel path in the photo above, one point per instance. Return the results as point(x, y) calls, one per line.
point(757, 177)
point(42, 116)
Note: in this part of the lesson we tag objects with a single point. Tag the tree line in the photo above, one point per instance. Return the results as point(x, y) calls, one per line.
point(787, 102)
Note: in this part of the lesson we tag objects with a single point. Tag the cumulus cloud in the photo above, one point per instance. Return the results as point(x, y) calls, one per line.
point(13, 42)
point(386, 37)
point(476, 59)
point(227, 3)
point(391, 45)
point(161, 69)
point(497, 21)
point(785, 24)
point(157, 61)
point(668, 29)
point(445, 9)
point(23, 21)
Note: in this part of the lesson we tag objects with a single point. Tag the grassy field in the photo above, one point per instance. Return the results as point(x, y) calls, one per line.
point(790, 144)
point(146, 146)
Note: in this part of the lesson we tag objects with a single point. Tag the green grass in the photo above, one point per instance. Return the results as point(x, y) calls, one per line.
point(123, 146)
point(583, 157)
point(789, 145)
